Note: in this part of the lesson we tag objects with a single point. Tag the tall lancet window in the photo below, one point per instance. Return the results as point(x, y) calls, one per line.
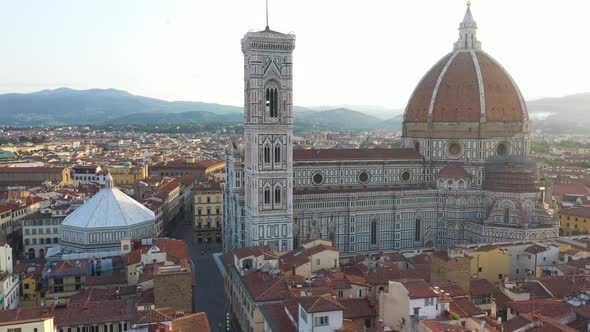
point(267, 196)
point(277, 154)
point(272, 102)
point(278, 195)
point(374, 232)
point(267, 154)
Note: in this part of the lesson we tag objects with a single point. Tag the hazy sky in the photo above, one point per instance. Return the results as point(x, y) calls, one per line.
point(348, 52)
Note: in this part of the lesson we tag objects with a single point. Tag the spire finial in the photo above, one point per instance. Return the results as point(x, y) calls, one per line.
point(468, 3)
point(267, 28)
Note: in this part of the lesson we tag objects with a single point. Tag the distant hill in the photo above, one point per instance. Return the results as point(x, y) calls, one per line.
point(376, 111)
point(395, 122)
point(568, 114)
point(65, 106)
point(195, 117)
point(341, 118)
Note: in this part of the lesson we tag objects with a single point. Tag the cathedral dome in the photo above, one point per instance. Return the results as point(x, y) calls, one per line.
point(467, 86)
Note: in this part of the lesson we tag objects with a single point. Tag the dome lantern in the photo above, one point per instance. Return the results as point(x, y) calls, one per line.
point(467, 33)
point(108, 181)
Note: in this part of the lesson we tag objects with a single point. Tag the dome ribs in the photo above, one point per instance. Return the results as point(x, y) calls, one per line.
point(503, 99)
point(457, 99)
point(417, 109)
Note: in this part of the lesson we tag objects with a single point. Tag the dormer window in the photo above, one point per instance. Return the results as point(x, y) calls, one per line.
point(246, 264)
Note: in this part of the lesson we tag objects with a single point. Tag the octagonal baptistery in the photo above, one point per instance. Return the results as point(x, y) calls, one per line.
point(467, 106)
point(104, 220)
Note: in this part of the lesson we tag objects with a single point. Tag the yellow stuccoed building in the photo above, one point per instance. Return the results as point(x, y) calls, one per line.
point(574, 221)
point(490, 262)
point(125, 175)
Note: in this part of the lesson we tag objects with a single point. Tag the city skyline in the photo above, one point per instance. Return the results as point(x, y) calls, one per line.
point(166, 51)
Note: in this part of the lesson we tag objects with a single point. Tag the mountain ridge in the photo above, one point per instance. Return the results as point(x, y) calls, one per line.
point(66, 106)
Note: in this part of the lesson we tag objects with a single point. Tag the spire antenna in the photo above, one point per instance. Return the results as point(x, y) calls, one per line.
point(267, 28)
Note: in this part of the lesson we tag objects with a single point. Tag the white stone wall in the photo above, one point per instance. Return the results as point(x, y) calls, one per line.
point(268, 67)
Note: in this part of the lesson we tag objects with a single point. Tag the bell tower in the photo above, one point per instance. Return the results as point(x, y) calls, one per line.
point(268, 131)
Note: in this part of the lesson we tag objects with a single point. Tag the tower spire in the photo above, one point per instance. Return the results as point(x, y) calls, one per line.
point(467, 32)
point(267, 28)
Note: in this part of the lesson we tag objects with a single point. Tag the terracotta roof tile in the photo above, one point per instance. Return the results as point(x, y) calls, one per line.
point(583, 212)
point(264, 287)
point(438, 326)
point(481, 287)
point(95, 313)
point(546, 307)
point(325, 303)
point(418, 289)
point(560, 189)
point(194, 323)
point(275, 314)
point(535, 249)
point(464, 307)
point(358, 308)
point(453, 170)
point(252, 251)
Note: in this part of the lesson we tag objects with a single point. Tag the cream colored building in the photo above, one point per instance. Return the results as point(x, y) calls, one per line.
point(125, 175)
point(37, 324)
point(40, 232)
point(208, 200)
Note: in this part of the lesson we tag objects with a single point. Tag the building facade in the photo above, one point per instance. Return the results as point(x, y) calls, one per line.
point(33, 176)
point(208, 211)
point(40, 232)
point(461, 176)
point(9, 280)
point(125, 175)
point(85, 174)
point(574, 221)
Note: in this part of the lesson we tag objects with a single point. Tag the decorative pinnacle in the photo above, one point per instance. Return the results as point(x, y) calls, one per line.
point(468, 3)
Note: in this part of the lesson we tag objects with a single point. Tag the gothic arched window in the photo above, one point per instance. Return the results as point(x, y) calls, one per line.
point(272, 102)
point(374, 232)
point(417, 230)
point(278, 195)
point(267, 196)
point(506, 215)
point(267, 154)
point(277, 154)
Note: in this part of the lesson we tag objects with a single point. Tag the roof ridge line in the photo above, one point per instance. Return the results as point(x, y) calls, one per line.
point(271, 286)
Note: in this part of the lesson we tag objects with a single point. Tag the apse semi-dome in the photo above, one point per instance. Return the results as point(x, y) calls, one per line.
point(466, 93)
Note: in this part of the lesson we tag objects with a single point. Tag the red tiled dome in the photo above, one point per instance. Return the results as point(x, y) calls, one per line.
point(466, 86)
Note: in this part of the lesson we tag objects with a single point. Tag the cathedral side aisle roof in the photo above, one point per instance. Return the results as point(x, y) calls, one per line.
point(355, 154)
